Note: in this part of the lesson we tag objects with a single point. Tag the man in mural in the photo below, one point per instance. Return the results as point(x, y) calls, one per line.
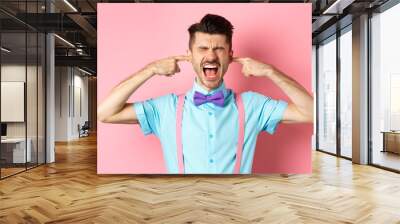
point(209, 129)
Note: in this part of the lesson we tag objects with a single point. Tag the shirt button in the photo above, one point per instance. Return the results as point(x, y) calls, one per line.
point(211, 136)
point(211, 160)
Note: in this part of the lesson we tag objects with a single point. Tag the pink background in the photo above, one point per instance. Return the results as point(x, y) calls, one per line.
point(132, 35)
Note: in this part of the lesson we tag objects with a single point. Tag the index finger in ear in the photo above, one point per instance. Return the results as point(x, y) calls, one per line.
point(238, 59)
point(182, 58)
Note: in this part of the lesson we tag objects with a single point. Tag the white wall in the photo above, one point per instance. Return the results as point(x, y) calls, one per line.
point(15, 72)
point(80, 89)
point(33, 127)
point(71, 93)
point(62, 78)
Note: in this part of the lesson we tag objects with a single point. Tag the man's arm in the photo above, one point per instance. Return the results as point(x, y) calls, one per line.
point(115, 109)
point(302, 107)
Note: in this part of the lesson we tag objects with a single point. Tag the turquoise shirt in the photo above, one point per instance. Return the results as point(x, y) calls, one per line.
point(209, 132)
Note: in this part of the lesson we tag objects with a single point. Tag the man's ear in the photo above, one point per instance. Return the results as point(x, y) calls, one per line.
point(230, 55)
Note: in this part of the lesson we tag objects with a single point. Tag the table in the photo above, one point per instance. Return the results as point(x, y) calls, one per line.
point(391, 141)
point(17, 150)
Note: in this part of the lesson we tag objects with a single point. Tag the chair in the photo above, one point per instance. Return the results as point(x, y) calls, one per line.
point(84, 130)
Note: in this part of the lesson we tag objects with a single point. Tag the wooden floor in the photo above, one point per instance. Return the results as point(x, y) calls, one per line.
point(387, 159)
point(70, 191)
point(5, 172)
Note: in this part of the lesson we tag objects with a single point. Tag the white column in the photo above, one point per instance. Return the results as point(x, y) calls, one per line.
point(50, 110)
point(50, 93)
point(360, 90)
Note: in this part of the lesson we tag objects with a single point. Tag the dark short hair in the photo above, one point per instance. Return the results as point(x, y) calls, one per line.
point(212, 24)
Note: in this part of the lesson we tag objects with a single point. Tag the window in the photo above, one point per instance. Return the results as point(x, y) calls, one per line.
point(385, 88)
point(346, 92)
point(327, 95)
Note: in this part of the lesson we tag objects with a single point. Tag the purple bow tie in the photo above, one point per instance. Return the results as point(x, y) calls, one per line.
point(217, 98)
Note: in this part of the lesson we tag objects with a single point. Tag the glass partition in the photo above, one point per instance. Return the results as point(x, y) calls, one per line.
point(385, 89)
point(346, 92)
point(327, 95)
point(14, 154)
point(22, 77)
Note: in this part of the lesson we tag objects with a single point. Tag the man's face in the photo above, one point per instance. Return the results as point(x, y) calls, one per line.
point(211, 56)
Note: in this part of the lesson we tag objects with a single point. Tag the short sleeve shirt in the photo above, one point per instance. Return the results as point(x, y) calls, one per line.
point(209, 132)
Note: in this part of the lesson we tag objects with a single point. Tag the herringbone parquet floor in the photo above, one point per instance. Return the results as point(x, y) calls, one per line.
point(70, 191)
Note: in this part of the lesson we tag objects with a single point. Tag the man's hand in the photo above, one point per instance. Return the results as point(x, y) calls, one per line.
point(167, 66)
point(253, 67)
point(301, 110)
point(116, 109)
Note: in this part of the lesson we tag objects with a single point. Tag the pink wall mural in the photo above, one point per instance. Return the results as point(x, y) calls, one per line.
point(132, 35)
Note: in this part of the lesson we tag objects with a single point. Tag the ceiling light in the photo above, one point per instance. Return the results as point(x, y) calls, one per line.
point(84, 71)
point(337, 7)
point(70, 5)
point(64, 40)
point(5, 50)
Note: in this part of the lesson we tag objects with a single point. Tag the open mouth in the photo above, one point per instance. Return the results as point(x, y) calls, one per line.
point(211, 71)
